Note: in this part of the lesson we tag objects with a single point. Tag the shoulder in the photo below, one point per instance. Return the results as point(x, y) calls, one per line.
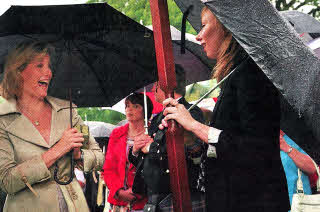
point(245, 68)
point(249, 75)
point(120, 131)
point(8, 107)
point(59, 104)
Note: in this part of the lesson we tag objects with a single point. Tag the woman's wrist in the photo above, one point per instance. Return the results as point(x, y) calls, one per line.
point(194, 126)
point(288, 150)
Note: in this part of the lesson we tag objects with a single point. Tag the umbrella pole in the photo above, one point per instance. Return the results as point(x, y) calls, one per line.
point(71, 153)
point(212, 89)
point(167, 80)
point(145, 111)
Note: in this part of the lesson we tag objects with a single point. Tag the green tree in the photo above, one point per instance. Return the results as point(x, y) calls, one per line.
point(139, 10)
point(311, 7)
point(99, 114)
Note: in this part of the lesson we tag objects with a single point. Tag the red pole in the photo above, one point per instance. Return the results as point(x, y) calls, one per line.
point(167, 81)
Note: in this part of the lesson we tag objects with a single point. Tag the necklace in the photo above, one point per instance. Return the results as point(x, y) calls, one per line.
point(27, 114)
point(132, 136)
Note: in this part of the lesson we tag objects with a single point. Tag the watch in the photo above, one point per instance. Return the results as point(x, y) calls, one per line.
point(290, 150)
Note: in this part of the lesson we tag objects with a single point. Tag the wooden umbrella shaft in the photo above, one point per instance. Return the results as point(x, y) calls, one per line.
point(167, 81)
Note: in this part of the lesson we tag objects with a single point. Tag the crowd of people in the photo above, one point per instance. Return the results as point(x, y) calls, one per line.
point(241, 161)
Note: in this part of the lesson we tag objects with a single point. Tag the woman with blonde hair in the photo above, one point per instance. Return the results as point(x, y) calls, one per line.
point(35, 137)
point(243, 165)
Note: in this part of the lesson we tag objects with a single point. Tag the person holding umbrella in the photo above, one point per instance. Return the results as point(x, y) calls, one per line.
point(243, 168)
point(35, 137)
point(118, 172)
point(149, 155)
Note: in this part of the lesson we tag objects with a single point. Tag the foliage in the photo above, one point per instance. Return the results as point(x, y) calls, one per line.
point(98, 114)
point(311, 7)
point(198, 89)
point(139, 10)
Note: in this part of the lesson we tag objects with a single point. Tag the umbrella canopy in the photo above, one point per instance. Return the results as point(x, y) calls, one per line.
point(98, 52)
point(196, 64)
point(302, 23)
point(292, 67)
point(315, 46)
point(100, 129)
point(195, 11)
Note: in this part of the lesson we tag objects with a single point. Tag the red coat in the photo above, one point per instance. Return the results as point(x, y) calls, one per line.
point(114, 167)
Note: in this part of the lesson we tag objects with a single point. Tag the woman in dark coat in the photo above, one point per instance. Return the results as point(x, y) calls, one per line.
point(244, 171)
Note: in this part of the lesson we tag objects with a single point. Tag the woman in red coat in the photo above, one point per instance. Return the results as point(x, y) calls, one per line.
point(118, 172)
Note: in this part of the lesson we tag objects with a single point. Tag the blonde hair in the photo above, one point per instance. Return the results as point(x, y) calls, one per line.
point(16, 61)
point(226, 52)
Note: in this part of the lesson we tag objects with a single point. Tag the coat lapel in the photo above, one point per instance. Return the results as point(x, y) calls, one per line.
point(22, 128)
point(60, 119)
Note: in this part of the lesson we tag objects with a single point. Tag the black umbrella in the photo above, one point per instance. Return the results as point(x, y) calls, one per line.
point(293, 68)
point(101, 54)
point(190, 55)
point(194, 7)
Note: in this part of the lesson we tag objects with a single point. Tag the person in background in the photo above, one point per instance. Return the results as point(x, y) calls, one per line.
point(243, 167)
point(118, 172)
point(35, 134)
point(293, 157)
point(152, 163)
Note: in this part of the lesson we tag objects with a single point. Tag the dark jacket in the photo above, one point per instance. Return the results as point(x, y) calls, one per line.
point(247, 174)
point(152, 167)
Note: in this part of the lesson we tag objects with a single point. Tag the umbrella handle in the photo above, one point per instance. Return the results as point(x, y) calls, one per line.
point(55, 176)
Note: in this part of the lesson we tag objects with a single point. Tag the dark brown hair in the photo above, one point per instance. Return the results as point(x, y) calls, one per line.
point(138, 98)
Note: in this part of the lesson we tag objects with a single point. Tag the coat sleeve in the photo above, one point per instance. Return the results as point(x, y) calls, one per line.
point(13, 176)
point(93, 157)
point(111, 174)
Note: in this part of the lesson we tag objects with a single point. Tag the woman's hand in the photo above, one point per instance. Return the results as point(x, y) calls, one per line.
point(283, 144)
point(126, 195)
point(71, 139)
point(177, 112)
point(140, 144)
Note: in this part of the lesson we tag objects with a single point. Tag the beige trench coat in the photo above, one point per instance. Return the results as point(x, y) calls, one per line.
point(21, 146)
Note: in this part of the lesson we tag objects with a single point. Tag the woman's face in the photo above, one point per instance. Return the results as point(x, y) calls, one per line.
point(134, 112)
point(36, 77)
point(211, 35)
